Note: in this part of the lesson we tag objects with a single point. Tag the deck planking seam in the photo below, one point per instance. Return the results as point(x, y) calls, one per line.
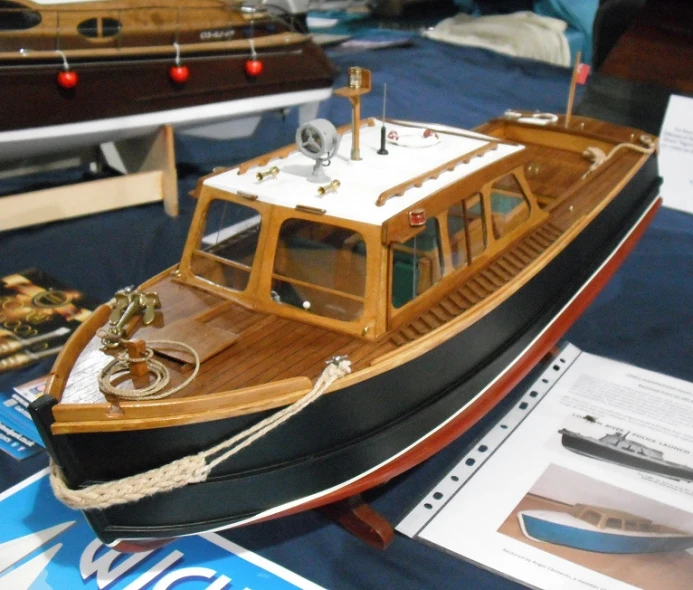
point(312, 365)
point(266, 364)
point(450, 307)
point(440, 314)
point(289, 364)
point(258, 344)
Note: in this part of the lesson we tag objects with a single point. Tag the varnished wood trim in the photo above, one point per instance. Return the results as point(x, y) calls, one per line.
point(417, 181)
point(282, 40)
point(105, 417)
point(220, 260)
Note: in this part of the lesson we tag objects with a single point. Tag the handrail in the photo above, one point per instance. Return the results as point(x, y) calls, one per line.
point(400, 189)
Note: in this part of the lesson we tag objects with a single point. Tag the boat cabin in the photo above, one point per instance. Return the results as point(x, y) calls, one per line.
point(618, 520)
point(351, 247)
point(622, 443)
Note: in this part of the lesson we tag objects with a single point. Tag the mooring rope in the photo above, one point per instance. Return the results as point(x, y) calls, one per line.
point(191, 469)
point(597, 156)
point(156, 389)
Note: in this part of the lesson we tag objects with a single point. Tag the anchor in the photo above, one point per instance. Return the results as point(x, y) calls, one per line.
point(128, 303)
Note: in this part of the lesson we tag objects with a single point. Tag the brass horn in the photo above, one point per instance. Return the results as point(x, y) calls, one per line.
point(272, 172)
point(329, 188)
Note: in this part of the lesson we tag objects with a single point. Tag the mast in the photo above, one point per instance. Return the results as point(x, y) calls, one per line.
point(359, 83)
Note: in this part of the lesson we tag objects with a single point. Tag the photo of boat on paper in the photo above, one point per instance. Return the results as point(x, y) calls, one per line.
point(605, 530)
point(610, 530)
point(622, 448)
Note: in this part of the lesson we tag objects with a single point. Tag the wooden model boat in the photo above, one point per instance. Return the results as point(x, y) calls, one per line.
point(86, 72)
point(443, 263)
point(617, 448)
point(602, 530)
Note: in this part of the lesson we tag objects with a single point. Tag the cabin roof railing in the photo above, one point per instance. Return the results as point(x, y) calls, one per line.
point(365, 187)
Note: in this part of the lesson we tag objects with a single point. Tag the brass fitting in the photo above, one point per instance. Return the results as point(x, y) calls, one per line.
point(329, 188)
point(272, 173)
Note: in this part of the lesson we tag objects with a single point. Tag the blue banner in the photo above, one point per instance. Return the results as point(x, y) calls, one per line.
point(45, 545)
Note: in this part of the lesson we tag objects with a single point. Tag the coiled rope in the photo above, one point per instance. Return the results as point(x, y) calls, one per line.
point(156, 389)
point(597, 156)
point(194, 468)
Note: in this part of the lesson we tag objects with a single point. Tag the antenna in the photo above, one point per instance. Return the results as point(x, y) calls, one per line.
point(382, 151)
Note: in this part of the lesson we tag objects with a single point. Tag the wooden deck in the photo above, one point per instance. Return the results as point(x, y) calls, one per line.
point(270, 348)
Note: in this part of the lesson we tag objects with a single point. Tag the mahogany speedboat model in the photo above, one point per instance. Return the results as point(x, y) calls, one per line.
point(88, 72)
point(329, 327)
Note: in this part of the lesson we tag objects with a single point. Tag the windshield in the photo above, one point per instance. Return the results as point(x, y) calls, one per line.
point(320, 268)
point(228, 246)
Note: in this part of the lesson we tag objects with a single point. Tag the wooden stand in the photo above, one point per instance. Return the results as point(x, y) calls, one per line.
point(149, 174)
point(357, 517)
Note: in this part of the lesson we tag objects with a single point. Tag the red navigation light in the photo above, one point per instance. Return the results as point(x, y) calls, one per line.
point(417, 217)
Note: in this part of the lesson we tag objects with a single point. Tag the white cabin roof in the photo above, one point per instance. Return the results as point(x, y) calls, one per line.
point(362, 181)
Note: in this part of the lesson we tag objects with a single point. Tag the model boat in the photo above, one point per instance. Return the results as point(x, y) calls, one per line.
point(442, 264)
point(87, 72)
point(617, 448)
point(592, 528)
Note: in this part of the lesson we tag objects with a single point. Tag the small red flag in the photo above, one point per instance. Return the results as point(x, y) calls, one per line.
point(583, 71)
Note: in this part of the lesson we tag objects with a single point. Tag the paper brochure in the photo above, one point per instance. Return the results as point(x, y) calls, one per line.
point(587, 482)
point(676, 154)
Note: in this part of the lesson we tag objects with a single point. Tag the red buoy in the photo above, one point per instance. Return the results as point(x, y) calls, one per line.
point(179, 74)
point(67, 79)
point(253, 67)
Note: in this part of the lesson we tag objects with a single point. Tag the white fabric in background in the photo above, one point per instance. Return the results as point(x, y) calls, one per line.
point(521, 34)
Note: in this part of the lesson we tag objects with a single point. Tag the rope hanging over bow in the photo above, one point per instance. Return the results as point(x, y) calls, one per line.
point(191, 469)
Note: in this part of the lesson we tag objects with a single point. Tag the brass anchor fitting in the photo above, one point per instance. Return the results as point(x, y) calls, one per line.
point(128, 304)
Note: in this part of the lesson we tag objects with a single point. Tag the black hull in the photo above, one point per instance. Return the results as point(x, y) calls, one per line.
point(345, 436)
point(602, 452)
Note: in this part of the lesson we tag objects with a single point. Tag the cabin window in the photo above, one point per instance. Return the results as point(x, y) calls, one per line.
point(320, 268)
point(509, 205)
point(466, 230)
point(631, 525)
point(227, 249)
point(591, 517)
point(417, 264)
point(614, 523)
point(97, 28)
point(17, 17)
